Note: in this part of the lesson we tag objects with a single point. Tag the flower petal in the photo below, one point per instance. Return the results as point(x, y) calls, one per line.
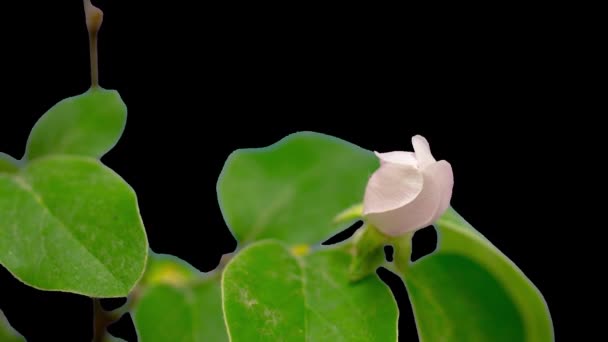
point(422, 150)
point(392, 186)
point(410, 217)
point(398, 157)
point(441, 172)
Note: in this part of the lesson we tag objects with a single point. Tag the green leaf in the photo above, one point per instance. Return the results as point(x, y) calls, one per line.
point(8, 164)
point(89, 124)
point(469, 291)
point(69, 223)
point(292, 190)
point(270, 294)
point(178, 303)
point(7, 333)
point(168, 269)
point(186, 313)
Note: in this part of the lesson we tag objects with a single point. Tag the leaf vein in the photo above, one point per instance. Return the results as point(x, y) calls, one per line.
point(27, 187)
point(304, 283)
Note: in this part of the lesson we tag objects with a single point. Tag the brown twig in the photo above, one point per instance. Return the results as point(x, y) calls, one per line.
point(94, 17)
point(101, 321)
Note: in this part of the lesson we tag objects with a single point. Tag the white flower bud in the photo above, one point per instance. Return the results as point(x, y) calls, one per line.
point(409, 191)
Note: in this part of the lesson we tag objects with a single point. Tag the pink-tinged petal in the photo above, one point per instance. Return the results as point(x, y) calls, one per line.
point(398, 157)
point(441, 172)
point(392, 186)
point(422, 151)
point(410, 217)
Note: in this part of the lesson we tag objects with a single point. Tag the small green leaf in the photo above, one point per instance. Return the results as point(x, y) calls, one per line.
point(89, 124)
point(7, 333)
point(270, 294)
point(187, 313)
point(69, 223)
point(8, 164)
point(178, 303)
point(168, 269)
point(292, 190)
point(469, 291)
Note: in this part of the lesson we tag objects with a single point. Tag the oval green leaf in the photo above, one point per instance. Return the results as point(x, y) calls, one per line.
point(8, 164)
point(272, 294)
point(467, 290)
point(179, 309)
point(7, 333)
point(89, 124)
point(292, 190)
point(71, 224)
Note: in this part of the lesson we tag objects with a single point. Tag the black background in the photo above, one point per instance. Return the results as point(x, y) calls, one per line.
point(487, 89)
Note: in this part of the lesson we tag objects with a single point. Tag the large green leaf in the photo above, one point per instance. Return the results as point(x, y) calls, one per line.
point(8, 164)
point(89, 124)
point(7, 333)
point(71, 224)
point(178, 303)
point(292, 190)
point(467, 290)
point(273, 294)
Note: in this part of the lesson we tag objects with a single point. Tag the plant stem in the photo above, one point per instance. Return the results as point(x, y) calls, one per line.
point(94, 62)
point(367, 252)
point(94, 18)
point(100, 321)
point(225, 260)
point(402, 252)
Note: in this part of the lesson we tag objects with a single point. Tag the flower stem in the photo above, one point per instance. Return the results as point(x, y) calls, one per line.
point(94, 18)
point(367, 252)
point(402, 252)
